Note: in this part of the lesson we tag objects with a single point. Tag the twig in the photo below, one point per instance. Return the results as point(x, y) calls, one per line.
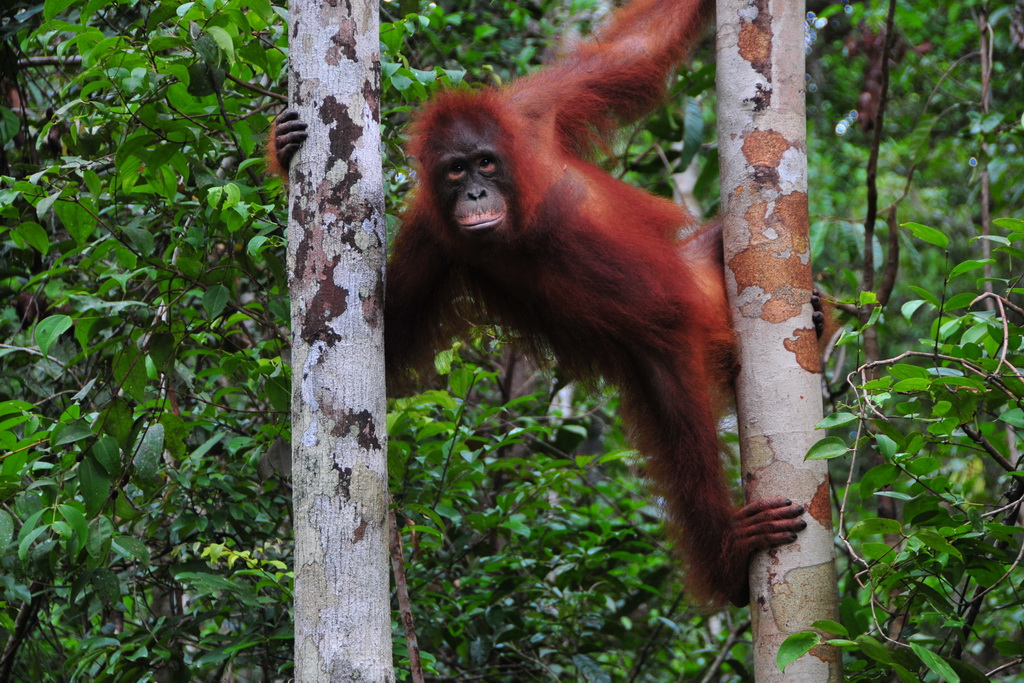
point(974, 607)
point(404, 604)
point(256, 88)
point(652, 641)
point(985, 31)
point(892, 263)
point(50, 60)
point(872, 169)
point(734, 636)
point(23, 624)
point(1000, 301)
point(1004, 667)
point(987, 446)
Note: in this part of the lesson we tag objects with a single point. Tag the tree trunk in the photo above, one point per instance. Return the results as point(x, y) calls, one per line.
point(763, 155)
point(336, 252)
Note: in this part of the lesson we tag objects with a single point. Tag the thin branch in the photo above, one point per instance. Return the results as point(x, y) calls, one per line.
point(256, 88)
point(989, 296)
point(653, 641)
point(23, 624)
point(892, 263)
point(872, 170)
point(1005, 302)
point(987, 446)
point(734, 636)
point(975, 604)
point(404, 604)
point(1004, 667)
point(50, 60)
point(985, 31)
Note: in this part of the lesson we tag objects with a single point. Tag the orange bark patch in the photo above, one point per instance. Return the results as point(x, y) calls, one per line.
point(761, 266)
point(755, 45)
point(791, 212)
point(778, 309)
point(821, 507)
point(757, 219)
point(805, 348)
point(774, 262)
point(765, 148)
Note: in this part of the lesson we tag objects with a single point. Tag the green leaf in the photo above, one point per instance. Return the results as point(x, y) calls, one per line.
point(101, 530)
point(910, 307)
point(76, 520)
point(930, 235)
point(141, 240)
point(49, 329)
point(886, 446)
point(147, 454)
point(130, 548)
point(6, 528)
point(906, 371)
point(78, 220)
point(936, 664)
point(876, 525)
point(794, 647)
point(107, 455)
point(1014, 224)
point(517, 526)
point(27, 540)
point(52, 8)
point(94, 484)
point(591, 670)
point(214, 300)
point(117, 421)
point(255, 244)
point(912, 385)
point(839, 419)
point(926, 295)
point(106, 585)
point(33, 235)
point(968, 266)
point(830, 626)
point(937, 543)
point(827, 448)
point(962, 300)
point(69, 433)
point(15, 406)
point(92, 180)
point(223, 40)
point(130, 372)
point(1013, 417)
point(874, 649)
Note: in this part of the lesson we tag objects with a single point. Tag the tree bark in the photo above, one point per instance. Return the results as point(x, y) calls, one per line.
point(763, 157)
point(336, 254)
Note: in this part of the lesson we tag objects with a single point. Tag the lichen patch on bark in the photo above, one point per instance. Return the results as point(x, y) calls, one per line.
point(373, 304)
point(359, 424)
point(328, 302)
point(343, 43)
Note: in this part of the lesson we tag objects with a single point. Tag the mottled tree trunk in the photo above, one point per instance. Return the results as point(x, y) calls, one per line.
point(763, 154)
point(336, 252)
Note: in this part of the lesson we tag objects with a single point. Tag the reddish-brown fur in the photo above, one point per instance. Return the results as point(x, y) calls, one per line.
point(590, 269)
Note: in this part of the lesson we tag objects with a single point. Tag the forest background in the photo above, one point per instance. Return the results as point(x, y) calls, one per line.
point(145, 528)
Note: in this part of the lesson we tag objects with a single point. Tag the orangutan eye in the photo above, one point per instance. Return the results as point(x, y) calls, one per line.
point(455, 171)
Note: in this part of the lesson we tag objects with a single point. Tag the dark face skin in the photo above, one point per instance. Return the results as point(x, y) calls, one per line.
point(474, 183)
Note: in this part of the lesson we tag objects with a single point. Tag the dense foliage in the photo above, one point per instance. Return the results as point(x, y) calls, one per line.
point(145, 386)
